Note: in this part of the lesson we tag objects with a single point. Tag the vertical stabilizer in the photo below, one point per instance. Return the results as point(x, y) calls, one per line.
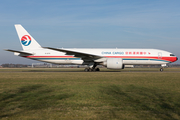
point(26, 40)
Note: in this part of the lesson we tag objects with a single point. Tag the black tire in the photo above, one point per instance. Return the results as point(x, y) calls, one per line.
point(92, 70)
point(97, 69)
point(161, 69)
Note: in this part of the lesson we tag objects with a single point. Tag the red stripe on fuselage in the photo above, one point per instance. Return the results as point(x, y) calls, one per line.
point(171, 59)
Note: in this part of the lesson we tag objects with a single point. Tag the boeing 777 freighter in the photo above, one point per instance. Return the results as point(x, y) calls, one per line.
point(110, 58)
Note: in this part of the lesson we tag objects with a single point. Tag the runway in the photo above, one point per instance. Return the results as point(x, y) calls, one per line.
point(102, 70)
point(81, 71)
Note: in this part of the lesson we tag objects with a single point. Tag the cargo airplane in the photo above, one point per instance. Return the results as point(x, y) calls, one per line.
point(110, 58)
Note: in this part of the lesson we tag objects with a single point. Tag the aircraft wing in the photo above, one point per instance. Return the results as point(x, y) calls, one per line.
point(25, 53)
point(84, 56)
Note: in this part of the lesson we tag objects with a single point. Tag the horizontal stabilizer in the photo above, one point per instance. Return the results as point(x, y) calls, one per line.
point(26, 53)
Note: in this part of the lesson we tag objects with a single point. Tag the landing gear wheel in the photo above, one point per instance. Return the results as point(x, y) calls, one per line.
point(90, 70)
point(94, 70)
point(161, 69)
point(86, 69)
point(97, 69)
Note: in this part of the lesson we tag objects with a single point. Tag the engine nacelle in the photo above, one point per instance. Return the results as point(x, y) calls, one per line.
point(114, 63)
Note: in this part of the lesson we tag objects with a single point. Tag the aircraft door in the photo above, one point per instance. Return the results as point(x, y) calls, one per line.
point(159, 55)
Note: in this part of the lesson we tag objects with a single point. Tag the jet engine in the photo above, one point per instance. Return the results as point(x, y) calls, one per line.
point(114, 63)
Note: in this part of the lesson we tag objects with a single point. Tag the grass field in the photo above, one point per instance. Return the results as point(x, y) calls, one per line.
point(34, 94)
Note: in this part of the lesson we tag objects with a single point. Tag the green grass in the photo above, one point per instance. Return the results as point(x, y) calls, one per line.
point(89, 95)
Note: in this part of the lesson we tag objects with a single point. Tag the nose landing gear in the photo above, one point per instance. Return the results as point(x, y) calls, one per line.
point(162, 67)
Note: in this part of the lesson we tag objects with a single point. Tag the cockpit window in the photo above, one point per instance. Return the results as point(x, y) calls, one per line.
point(172, 55)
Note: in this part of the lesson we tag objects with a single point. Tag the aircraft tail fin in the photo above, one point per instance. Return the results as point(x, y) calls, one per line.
point(26, 40)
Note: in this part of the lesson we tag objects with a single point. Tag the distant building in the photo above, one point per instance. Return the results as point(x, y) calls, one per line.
point(14, 65)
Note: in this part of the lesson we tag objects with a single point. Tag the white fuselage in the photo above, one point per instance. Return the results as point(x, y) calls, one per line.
point(129, 56)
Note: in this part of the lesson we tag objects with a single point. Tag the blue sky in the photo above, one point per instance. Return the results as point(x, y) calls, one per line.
point(91, 24)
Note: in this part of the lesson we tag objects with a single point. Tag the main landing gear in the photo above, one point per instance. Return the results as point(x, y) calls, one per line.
point(91, 69)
